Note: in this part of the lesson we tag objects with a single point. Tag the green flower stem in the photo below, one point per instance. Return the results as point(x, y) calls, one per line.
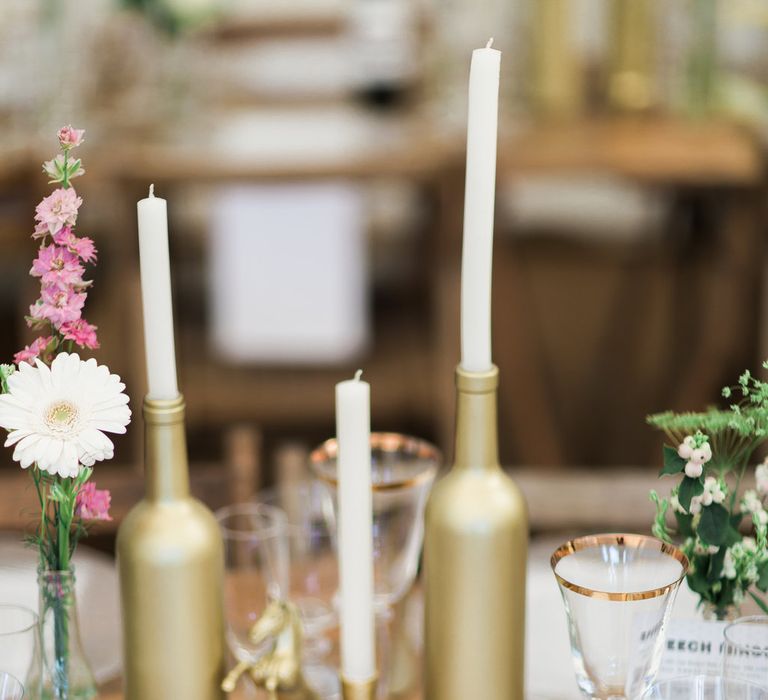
point(760, 602)
point(61, 644)
point(43, 531)
point(65, 181)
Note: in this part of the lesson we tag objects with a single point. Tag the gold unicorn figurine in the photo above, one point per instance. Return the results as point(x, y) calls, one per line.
point(279, 670)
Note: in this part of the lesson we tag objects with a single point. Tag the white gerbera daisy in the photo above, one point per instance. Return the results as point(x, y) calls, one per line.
point(57, 416)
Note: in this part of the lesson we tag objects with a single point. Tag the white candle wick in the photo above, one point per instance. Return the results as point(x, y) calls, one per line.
point(152, 190)
point(358, 374)
point(489, 44)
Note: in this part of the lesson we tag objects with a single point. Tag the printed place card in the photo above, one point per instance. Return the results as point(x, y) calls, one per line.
point(693, 647)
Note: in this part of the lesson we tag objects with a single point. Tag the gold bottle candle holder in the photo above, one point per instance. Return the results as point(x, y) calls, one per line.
point(475, 554)
point(171, 562)
point(631, 82)
point(557, 82)
point(354, 690)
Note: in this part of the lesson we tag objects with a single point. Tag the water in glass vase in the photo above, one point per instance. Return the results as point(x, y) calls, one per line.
point(65, 673)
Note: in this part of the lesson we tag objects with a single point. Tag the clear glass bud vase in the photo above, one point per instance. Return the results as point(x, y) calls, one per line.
point(66, 674)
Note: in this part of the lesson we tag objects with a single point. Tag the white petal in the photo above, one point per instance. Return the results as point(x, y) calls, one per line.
point(15, 436)
point(13, 413)
point(25, 452)
point(95, 443)
point(53, 451)
point(69, 455)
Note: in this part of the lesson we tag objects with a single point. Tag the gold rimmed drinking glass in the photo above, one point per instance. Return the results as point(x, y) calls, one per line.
point(403, 470)
point(618, 591)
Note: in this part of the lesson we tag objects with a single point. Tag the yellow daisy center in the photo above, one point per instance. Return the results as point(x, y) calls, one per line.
point(61, 416)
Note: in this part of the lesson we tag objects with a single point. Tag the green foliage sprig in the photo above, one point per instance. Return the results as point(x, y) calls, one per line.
point(722, 530)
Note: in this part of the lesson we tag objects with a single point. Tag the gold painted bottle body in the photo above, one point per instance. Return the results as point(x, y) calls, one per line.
point(475, 550)
point(171, 563)
point(631, 79)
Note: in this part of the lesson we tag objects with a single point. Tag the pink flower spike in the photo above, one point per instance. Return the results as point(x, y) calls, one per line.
point(58, 209)
point(32, 351)
point(58, 305)
point(81, 332)
point(69, 137)
point(57, 266)
point(82, 247)
point(92, 503)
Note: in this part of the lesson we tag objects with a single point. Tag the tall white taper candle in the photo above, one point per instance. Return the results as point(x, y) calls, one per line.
point(477, 251)
point(156, 297)
point(353, 430)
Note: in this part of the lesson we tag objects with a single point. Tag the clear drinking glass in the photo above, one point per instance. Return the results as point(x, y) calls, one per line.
point(257, 570)
point(403, 471)
point(20, 646)
point(704, 688)
point(618, 592)
point(314, 574)
point(745, 650)
point(10, 687)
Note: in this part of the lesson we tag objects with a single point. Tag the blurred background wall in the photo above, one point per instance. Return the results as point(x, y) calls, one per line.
point(312, 155)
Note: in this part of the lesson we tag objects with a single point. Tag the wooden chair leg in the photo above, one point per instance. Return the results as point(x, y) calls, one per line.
point(291, 468)
point(242, 447)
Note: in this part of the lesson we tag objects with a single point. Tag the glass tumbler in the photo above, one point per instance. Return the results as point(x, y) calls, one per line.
point(10, 687)
point(256, 570)
point(618, 591)
point(314, 576)
point(313, 579)
point(745, 650)
point(704, 688)
point(20, 646)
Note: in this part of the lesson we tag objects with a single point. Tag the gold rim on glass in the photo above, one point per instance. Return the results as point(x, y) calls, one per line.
point(384, 442)
point(619, 540)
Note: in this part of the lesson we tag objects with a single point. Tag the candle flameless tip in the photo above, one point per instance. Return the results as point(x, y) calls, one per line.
point(152, 190)
point(358, 374)
point(489, 44)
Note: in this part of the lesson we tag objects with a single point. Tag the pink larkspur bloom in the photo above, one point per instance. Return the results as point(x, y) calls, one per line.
point(30, 352)
point(83, 247)
point(69, 137)
point(81, 332)
point(92, 503)
point(58, 209)
point(58, 305)
point(58, 267)
point(41, 230)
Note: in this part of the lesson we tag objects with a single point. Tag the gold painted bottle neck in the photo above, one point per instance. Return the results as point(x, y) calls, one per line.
point(476, 421)
point(354, 690)
point(165, 449)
